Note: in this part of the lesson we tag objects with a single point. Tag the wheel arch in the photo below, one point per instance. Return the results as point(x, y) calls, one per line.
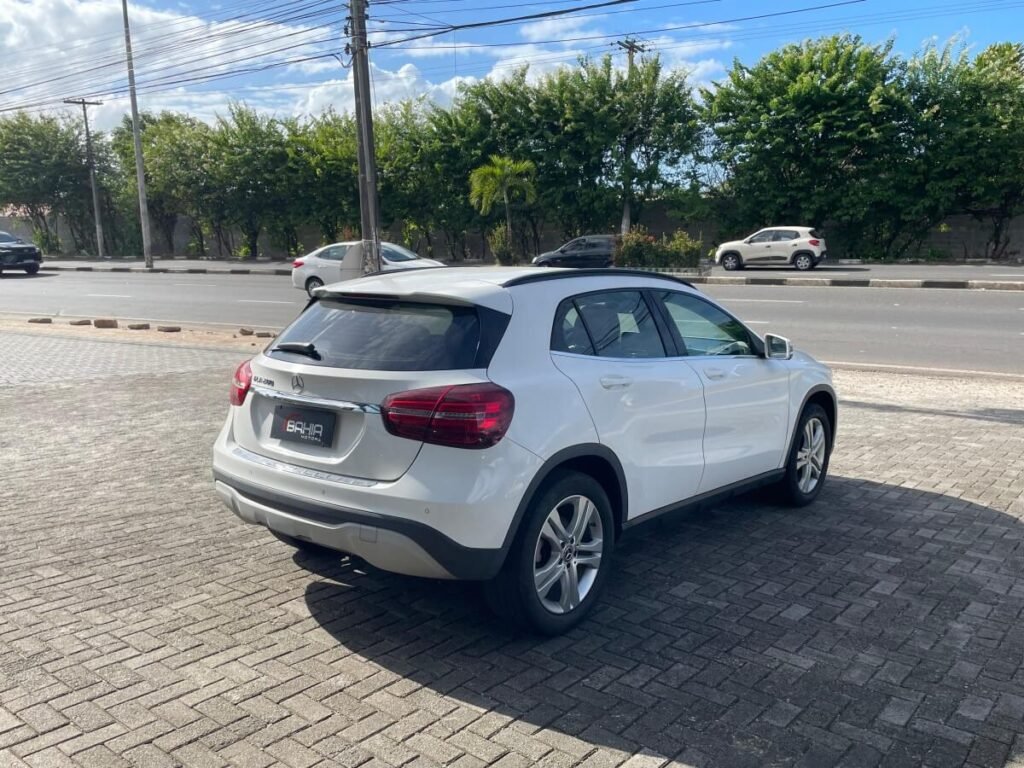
point(801, 252)
point(593, 459)
point(824, 396)
point(732, 252)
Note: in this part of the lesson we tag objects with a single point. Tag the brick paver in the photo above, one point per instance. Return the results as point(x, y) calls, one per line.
point(142, 625)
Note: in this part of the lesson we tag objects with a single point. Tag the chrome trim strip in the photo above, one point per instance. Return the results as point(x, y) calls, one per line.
point(292, 469)
point(318, 402)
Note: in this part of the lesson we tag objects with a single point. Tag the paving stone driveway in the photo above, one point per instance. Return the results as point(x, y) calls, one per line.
point(141, 624)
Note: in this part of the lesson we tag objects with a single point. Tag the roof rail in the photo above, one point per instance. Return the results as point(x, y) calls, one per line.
point(558, 274)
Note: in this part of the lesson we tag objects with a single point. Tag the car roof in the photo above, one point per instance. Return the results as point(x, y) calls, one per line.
point(485, 286)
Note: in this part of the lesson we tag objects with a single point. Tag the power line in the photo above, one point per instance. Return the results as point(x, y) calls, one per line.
point(632, 32)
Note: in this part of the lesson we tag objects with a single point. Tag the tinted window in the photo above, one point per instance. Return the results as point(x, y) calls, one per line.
point(397, 253)
point(573, 245)
point(7, 238)
point(815, 233)
point(386, 336)
point(569, 335)
point(704, 328)
point(620, 324)
point(762, 237)
point(333, 252)
point(785, 235)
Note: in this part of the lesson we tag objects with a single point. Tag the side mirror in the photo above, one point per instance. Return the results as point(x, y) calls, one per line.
point(777, 347)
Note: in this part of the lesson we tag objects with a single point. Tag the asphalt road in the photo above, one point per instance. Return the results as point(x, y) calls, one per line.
point(932, 328)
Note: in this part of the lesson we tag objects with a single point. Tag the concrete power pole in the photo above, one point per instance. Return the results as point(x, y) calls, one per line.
point(368, 203)
point(140, 168)
point(631, 47)
point(92, 171)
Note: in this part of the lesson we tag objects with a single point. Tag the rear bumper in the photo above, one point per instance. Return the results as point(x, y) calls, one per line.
point(450, 515)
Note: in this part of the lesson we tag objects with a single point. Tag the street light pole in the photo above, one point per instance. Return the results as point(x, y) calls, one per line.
point(368, 210)
point(140, 171)
point(92, 171)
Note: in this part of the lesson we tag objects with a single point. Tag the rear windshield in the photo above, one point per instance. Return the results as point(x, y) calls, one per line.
point(815, 233)
point(385, 336)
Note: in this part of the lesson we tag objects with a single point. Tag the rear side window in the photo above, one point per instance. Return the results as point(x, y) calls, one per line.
point(614, 324)
point(785, 235)
point(387, 336)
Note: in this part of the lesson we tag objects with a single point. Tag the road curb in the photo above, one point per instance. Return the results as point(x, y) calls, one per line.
point(806, 282)
point(169, 270)
point(836, 282)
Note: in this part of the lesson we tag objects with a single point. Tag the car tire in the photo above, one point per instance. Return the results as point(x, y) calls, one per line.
point(303, 546)
point(554, 553)
point(731, 261)
point(32, 269)
point(312, 284)
point(807, 464)
point(803, 262)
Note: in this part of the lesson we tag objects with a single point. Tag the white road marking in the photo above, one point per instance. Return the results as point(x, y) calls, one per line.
point(758, 322)
point(262, 301)
point(767, 301)
point(1019, 274)
point(108, 295)
point(197, 285)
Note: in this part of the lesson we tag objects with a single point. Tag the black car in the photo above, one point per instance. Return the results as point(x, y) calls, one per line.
point(15, 253)
point(586, 251)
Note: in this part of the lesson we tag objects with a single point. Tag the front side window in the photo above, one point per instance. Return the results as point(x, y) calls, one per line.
point(762, 237)
point(574, 245)
point(617, 324)
point(704, 329)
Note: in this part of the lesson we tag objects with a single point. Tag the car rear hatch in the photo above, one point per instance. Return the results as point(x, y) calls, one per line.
point(317, 389)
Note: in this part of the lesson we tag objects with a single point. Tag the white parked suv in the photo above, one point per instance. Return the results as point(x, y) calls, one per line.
point(799, 247)
point(508, 425)
point(344, 261)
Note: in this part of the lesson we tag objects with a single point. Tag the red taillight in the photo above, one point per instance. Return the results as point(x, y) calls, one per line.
point(241, 383)
point(815, 243)
point(462, 416)
point(297, 263)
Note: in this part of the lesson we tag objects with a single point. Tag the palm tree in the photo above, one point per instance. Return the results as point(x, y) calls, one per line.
point(502, 178)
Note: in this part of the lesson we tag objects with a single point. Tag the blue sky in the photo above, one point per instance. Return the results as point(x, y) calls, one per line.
point(280, 53)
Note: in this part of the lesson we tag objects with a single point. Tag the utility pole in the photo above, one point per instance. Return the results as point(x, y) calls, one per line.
point(631, 47)
point(368, 203)
point(140, 169)
point(92, 171)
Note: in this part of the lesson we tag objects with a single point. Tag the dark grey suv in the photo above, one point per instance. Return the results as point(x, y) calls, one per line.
point(15, 253)
point(586, 251)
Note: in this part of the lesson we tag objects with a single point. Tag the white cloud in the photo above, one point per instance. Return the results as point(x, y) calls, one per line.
point(554, 28)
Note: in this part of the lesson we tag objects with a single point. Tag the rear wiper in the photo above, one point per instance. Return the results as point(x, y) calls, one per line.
point(299, 348)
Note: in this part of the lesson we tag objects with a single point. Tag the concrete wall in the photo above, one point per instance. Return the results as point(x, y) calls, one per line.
point(961, 237)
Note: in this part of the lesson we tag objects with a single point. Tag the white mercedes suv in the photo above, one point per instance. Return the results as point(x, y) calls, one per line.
point(509, 425)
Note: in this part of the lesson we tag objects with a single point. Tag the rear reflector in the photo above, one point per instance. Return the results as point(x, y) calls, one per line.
point(240, 383)
point(297, 263)
point(815, 243)
point(461, 416)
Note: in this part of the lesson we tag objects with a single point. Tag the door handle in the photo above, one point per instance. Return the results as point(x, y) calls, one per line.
point(714, 373)
point(615, 382)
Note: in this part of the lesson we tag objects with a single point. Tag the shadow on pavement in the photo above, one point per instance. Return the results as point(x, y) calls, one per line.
point(882, 621)
point(7, 274)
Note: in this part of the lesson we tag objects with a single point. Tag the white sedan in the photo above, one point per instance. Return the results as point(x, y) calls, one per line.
point(344, 261)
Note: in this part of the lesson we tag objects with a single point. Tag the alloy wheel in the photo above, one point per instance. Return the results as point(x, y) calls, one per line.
point(810, 458)
point(567, 556)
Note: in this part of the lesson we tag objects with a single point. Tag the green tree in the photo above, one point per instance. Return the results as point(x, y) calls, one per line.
point(250, 151)
point(817, 133)
point(995, 176)
point(43, 174)
point(330, 154)
point(504, 179)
